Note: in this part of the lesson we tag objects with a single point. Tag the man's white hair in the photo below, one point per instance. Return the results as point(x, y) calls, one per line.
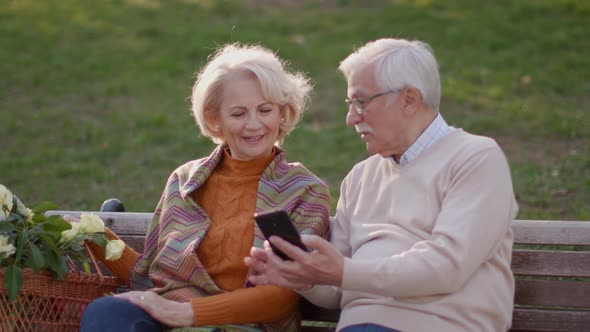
point(399, 63)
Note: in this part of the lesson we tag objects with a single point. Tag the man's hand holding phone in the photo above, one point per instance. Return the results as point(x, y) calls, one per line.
point(322, 264)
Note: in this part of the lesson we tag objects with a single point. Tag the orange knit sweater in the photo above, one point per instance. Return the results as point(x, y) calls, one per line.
point(229, 199)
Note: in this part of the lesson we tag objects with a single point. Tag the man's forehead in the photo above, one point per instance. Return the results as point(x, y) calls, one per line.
point(362, 80)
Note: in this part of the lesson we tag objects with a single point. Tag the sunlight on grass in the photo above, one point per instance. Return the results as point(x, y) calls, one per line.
point(94, 100)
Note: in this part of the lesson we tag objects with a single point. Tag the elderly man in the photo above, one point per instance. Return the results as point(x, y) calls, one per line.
point(422, 238)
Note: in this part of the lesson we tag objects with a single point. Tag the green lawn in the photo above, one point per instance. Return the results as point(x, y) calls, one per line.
point(93, 94)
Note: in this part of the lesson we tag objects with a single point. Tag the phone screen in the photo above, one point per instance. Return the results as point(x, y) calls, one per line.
point(278, 223)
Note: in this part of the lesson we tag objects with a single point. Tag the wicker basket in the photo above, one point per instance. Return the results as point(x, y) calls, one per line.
point(47, 305)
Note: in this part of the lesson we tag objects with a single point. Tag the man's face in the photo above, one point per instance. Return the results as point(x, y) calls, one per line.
point(382, 124)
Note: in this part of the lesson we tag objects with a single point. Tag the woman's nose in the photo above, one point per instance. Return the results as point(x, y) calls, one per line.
point(253, 122)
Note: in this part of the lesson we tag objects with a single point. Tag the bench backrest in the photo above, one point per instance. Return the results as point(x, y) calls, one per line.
point(550, 260)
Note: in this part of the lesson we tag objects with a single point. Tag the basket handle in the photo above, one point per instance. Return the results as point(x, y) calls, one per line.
point(94, 263)
point(74, 268)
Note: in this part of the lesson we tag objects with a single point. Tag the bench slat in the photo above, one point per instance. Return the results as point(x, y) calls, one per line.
point(550, 320)
point(312, 313)
point(525, 231)
point(134, 241)
point(132, 223)
point(551, 263)
point(318, 329)
point(131, 227)
point(551, 232)
point(557, 293)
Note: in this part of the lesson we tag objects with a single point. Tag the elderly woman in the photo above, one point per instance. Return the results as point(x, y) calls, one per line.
point(191, 273)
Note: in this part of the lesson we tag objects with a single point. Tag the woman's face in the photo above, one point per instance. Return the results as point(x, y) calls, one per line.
point(248, 123)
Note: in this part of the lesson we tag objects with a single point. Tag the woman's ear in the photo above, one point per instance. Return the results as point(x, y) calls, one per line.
point(212, 122)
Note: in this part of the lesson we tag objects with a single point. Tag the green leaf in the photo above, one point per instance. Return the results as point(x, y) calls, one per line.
point(86, 267)
point(14, 281)
point(38, 258)
point(20, 245)
point(38, 218)
point(57, 266)
point(75, 246)
point(28, 263)
point(100, 240)
point(64, 268)
point(6, 227)
point(44, 206)
point(56, 224)
point(12, 218)
point(50, 242)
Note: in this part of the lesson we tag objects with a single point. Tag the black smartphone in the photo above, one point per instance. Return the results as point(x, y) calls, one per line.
point(278, 223)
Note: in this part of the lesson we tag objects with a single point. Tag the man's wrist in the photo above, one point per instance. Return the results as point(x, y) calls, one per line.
point(305, 288)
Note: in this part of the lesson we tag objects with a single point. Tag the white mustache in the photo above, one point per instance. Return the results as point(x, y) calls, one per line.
point(363, 127)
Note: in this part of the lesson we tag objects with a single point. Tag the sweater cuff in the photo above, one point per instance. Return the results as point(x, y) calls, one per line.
point(305, 292)
point(209, 310)
point(121, 267)
point(357, 273)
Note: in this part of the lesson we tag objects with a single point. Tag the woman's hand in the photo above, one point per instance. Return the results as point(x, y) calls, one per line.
point(169, 313)
point(264, 272)
point(323, 265)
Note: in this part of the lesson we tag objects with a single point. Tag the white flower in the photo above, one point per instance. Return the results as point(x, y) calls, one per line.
point(21, 208)
point(6, 201)
point(30, 215)
point(114, 249)
point(90, 223)
point(6, 249)
point(70, 233)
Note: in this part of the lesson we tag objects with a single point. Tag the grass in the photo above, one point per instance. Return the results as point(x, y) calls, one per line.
point(93, 95)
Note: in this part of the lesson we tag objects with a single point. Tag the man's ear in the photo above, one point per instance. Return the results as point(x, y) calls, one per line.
point(412, 100)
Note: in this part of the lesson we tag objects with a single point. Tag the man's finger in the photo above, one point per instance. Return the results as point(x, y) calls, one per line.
point(290, 250)
point(314, 242)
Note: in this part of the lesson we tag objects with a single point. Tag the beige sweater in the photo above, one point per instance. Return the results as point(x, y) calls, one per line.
point(427, 245)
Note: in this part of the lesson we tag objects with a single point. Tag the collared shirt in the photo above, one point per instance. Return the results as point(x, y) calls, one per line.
point(436, 131)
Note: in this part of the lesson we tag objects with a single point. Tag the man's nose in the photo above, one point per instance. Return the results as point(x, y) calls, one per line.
point(353, 117)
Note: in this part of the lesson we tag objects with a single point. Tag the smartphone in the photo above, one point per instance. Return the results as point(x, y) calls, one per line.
point(278, 223)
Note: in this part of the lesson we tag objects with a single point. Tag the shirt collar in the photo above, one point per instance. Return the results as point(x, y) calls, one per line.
point(436, 131)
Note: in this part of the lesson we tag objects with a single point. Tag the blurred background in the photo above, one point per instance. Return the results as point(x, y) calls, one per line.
point(94, 95)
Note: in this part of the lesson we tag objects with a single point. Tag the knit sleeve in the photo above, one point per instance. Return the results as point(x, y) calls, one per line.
point(261, 304)
point(312, 213)
point(121, 267)
point(139, 279)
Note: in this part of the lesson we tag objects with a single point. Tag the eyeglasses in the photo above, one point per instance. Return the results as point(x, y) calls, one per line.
point(359, 103)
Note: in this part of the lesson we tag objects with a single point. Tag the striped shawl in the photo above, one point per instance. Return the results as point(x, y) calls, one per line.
point(169, 264)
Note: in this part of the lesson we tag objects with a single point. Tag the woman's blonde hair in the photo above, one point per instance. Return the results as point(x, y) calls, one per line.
point(287, 90)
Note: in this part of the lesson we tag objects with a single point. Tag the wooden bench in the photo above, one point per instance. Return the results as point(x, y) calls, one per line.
point(550, 260)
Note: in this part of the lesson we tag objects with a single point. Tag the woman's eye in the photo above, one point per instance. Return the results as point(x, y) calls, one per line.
point(238, 115)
